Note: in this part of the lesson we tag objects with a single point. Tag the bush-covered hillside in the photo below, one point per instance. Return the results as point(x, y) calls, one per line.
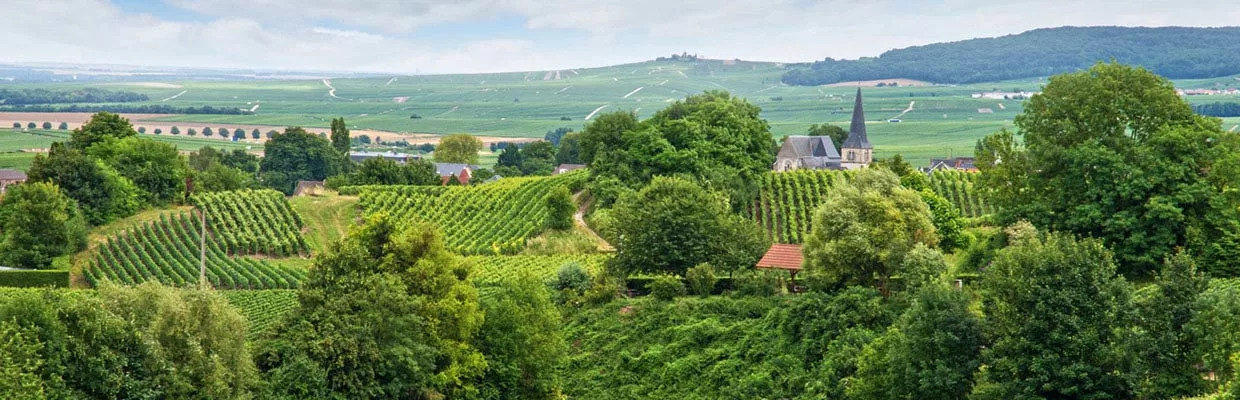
point(1173, 52)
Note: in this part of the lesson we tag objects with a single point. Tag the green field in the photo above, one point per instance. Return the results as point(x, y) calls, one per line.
point(14, 144)
point(944, 119)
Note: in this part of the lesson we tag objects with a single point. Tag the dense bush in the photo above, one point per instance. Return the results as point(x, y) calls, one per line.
point(34, 278)
point(666, 287)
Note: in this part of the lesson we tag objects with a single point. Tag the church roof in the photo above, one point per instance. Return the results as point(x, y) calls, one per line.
point(856, 131)
point(810, 146)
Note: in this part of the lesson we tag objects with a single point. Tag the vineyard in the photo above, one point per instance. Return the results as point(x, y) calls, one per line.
point(489, 219)
point(957, 187)
point(492, 270)
point(253, 222)
point(262, 308)
point(787, 200)
point(167, 250)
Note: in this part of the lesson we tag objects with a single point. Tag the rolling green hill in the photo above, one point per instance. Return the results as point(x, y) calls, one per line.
point(1174, 52)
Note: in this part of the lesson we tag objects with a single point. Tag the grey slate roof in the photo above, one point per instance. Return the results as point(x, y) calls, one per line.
point(810, 152)
point(446, 169)
point(856, 131)
point(11, 175)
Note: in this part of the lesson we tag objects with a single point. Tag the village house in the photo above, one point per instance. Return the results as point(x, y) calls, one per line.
point(953, 164)
point(400, 158)
point(461, 172)
point(10, 177)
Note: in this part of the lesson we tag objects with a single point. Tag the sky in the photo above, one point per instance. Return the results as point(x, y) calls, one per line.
point(471, 36)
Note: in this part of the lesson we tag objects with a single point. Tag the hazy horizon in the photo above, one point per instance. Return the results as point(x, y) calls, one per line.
point(482, 36)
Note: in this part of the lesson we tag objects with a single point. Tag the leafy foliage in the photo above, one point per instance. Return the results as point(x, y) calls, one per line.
point(102, 194)
point(674, 224)
point(1114, 153)
point(386, 313)
point(715, 139)
point(297, 155)
point(522, 342)
point(1069, 348)
point(958, 187)
point(38, 223)
point(863, 230)
point(102, 125)
point(459, 148)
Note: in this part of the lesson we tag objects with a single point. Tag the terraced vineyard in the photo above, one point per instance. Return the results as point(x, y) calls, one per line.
point(787, 200)
point(167, 250)
point(253, 222)
point(262, 308)
point(957, 187)
point(488, 219)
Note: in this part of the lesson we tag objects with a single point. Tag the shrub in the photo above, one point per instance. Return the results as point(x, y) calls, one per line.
point(755, 283)
point(666, 287)
point(572, 276)
point(34, 278)
point(602, 290)
point(701, 279)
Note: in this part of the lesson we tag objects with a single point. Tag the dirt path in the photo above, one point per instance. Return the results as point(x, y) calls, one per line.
point(580, 219)
point(331, 90)
point(176, 95)
point(596, 110)
point(633, 92)
point(906, 110)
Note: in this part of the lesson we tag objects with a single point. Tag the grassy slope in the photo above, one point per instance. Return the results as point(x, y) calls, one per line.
point(327, 218)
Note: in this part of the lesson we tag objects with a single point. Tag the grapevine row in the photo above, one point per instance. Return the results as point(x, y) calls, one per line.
point(957, 187)
point(167, 251)
point(253, 222)
point(787, 200)
point(488, 219)
point(262, 308)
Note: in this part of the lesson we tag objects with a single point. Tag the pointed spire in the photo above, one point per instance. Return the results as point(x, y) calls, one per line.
point(856, 132)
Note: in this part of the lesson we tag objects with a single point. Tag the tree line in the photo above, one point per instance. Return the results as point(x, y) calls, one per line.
point(123, 108)
point(16, 97)
point(1218, 109)
point(1174, 52)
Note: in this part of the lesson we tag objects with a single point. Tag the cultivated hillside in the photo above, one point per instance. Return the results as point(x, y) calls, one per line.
point(1174, 52)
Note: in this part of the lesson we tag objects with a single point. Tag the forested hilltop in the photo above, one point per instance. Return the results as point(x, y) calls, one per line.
point(1174, 52)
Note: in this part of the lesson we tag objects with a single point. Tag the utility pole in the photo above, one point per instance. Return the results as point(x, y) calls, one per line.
point(202, 251)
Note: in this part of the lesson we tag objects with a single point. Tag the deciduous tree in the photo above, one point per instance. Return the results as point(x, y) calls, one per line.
point(863, 230)
point(339, 136)
point(298, 155)
point(459, 148)
point(39, 223)
point(102, 125)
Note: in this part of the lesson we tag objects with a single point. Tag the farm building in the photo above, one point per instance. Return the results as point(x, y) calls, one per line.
point(401, 158)
point(783, 257)
point(819, 152)
point(563, 168)
point(10, 177)
point(953, 164)
point(461, 172)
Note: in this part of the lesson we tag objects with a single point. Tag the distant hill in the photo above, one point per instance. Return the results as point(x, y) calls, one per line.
point(1175, 52)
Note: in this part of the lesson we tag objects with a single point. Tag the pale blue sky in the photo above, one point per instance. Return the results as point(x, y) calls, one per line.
point(437, 36)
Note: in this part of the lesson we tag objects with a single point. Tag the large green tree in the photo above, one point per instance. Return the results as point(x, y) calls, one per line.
point(1114, 153)
point(386, 313)
point(381, 171)
point(521, 340)
point(102, 193)
point(863, 229)
point(39, 223)
point(674, 224)
point(538, 158)
point(155, 167)
point(569, 151)
point(459, 148)
point(297, 155)
point(717, 140)
point(932, 351)
point(1054, 309)
point(101, 126)
point(1164, 347)
point(339, 136)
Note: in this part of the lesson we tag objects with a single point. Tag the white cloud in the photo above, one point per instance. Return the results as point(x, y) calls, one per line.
point(392, 35)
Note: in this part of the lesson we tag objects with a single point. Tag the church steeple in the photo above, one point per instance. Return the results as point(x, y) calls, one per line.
point(856, 152)
point(856, 132)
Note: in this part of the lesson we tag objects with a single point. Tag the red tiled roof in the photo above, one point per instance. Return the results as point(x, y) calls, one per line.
point(782, 256)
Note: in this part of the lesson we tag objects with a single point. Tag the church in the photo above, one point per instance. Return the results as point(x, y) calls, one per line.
point(819, 152)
